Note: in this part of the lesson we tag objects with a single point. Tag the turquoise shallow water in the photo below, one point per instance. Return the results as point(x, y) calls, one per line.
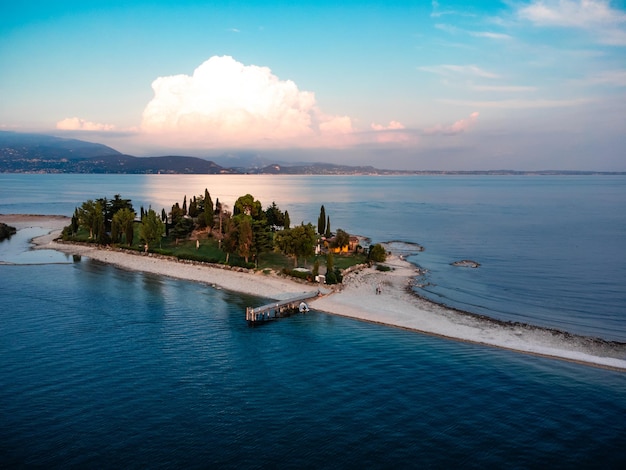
point(102, 367)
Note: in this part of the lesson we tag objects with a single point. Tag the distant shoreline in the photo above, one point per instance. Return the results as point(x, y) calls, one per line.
point(397, 305)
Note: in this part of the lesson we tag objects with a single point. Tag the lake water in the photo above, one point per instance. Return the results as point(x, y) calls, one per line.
point(106, 368)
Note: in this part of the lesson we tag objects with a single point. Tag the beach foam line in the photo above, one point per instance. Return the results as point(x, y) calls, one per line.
point(396, 305)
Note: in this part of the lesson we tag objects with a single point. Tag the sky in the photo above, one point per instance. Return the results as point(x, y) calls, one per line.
point(418, 85)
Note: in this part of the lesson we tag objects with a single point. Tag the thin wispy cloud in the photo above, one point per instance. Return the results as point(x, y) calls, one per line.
point(478, 34)
point(608, 77)
point(595, 16)
point(456, 70)
point(490, 35)
point(519, 103)
point(504, 88)
point(437, 12)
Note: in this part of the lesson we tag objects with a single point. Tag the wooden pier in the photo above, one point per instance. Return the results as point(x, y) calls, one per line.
point(279, 308)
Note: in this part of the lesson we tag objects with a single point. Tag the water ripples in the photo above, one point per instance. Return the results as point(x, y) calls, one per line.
point(106, 368)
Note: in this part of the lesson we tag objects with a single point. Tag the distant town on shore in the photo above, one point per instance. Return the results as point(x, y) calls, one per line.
point(42, 153)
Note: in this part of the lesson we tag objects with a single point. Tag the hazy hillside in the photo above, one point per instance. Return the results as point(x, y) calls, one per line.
point(15, 145)
point(40, 153)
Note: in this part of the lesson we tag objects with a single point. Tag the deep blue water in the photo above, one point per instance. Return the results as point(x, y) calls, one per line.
point(107, 368)
point(101, 367)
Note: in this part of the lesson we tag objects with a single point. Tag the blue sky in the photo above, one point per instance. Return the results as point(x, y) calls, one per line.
point(417, 85)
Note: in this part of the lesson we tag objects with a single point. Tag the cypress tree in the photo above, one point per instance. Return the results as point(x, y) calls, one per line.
point(208, 210)
point(321, 221)
point(327, 234)
point(287, 221)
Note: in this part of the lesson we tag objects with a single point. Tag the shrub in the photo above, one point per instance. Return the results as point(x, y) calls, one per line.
point(377, 253)
point(299, 274)
point(331, 277)
point(196, 257)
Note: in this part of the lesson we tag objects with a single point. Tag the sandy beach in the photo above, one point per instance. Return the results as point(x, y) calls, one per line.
point(396, 305)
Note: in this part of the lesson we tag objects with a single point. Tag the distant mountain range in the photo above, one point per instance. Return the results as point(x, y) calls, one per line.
point(41, 153)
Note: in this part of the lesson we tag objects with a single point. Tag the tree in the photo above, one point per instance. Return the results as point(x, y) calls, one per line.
point(297, 242)
point(249, 206)
point(89, 215)
point(118, 203)
point(185, 205)
point(316, 268)
point(182, 229)
point(327, 234)
point(193, 207)
point(321, 221)
point(331, 277)
point(244, 236)
point(176, 214)
point(209, 214)
point(342, 238)
point(377, 253)
point(330, 263)
point(151, 229)
point(123, 223)
point(287, 221)
point(107, 214)
point(263, 240)
point(274, 216)
point(219, 211)
point(231, 237)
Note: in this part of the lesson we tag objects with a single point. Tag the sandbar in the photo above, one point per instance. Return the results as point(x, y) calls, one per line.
point(366, 294)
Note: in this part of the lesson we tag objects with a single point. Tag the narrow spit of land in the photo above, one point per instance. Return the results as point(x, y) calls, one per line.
point(396, 305)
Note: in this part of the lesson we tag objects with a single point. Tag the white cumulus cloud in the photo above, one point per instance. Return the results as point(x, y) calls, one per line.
point(227, 103)
point(77, 124)
point(458, 127)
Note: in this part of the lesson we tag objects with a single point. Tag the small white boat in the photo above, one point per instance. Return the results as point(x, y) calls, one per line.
point(303, 307)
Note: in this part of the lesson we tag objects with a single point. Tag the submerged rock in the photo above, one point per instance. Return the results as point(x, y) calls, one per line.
point(466, 263)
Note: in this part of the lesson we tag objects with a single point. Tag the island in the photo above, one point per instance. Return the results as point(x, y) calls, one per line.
point(383, 296)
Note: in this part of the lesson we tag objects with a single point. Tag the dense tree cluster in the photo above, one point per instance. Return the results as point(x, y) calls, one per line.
point(249, 231)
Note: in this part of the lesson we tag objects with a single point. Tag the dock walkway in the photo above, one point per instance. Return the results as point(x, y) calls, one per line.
point(278, 308)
